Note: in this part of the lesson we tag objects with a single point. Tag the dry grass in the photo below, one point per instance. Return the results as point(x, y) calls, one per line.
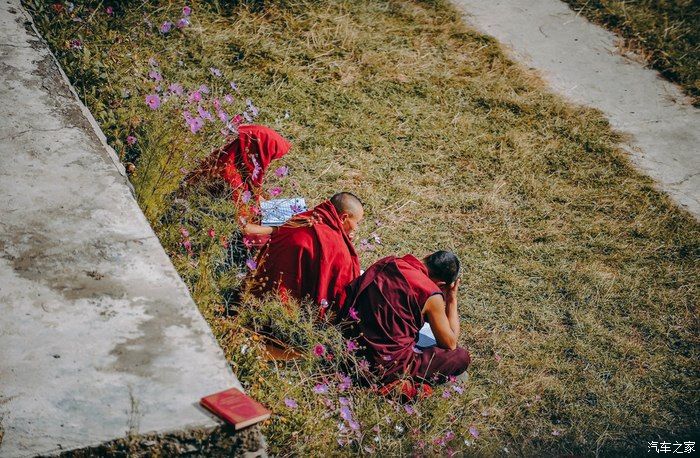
point(579, 300)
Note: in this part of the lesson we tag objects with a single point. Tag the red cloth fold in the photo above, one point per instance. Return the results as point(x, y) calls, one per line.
point(310, 256)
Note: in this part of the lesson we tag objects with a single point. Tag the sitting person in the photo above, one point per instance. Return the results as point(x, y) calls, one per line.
point(311, 255)
point(387, 306)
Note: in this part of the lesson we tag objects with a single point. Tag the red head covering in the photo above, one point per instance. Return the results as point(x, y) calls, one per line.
point(242, 162)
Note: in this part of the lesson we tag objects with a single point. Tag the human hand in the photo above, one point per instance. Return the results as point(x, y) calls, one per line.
point(451, 292)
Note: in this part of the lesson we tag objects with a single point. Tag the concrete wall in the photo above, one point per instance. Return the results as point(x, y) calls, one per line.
point(99, 337)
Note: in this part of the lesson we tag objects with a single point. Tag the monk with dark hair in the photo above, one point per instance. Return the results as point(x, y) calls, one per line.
point(388, 305)
point(312, 256)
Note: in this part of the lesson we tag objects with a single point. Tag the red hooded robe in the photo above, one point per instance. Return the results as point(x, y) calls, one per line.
point(242, 163)
point(310, 256)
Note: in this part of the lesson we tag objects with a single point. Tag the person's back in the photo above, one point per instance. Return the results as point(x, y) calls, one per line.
point(387, 308)
point(310, 257)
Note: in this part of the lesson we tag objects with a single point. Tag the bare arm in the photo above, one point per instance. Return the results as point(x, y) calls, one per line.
point(443, 318)
point(256, 229)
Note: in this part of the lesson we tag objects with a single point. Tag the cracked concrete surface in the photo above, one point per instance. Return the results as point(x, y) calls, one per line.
point(580, 61)
point(99, 337)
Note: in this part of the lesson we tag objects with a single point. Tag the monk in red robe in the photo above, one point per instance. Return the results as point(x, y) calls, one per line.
point(388, 305)
point(312, 255)
point(243, 160)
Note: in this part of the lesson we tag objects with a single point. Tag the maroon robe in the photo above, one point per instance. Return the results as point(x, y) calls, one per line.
point(310, 256)
point(388, 300)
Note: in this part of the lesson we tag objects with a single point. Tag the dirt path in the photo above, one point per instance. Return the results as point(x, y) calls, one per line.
point(580, 60)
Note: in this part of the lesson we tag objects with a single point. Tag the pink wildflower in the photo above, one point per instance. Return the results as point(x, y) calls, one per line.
point(195, 96)
point(319, 350)
point(228, 98)
point(204, 114)
point(130, 140)
point(222, 116)
point(204, 89)
point(215, 71)
point(345, 413)
point(345, 384)
point(182, 23)
point(352, 345)
point(155, 75)
point(251, 264)
point(176, 88)
point(153, 101)
point(166, 27)
point(196, 124)
point(409, 409)
point(363, 365)
point(473, 431)
point(282, 171)
point(321, 388)
point(237, 120)
point(291, 403)
point(211, 232)
point(276, 191)
point(353, 314)
point(186, 10)
point(246, 196)
point(109, 10)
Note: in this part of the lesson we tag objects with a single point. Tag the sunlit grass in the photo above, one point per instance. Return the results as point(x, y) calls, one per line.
point(579, 299)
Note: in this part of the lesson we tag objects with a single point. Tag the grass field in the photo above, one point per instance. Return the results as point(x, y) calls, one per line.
point(665, 33)
point(579, 297)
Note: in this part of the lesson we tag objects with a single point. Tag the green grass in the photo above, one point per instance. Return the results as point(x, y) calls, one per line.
point(665, 33)
point(579, 299)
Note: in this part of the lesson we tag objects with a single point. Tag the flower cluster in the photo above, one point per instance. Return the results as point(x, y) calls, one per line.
point(184, 21)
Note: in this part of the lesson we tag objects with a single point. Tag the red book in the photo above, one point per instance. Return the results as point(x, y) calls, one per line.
point(236, 408)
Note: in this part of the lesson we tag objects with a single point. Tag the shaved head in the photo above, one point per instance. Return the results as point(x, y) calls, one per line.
point(350, 211)
point(348, 203)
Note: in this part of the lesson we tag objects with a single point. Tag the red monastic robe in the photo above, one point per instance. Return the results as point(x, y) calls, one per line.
point(242, 163)
point(389, 300)
point(308, 257)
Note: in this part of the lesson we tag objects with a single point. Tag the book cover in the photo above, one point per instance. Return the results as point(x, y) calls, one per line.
point(235, 407)
point(276, 212)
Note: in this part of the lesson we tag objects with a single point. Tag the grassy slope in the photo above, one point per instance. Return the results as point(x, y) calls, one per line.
point(579, 297)
point(666, 33)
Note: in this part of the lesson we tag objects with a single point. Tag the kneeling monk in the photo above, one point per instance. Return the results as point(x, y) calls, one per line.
point(388, 305)
point(312, 255)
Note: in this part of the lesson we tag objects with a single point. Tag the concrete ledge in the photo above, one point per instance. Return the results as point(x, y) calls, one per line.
point(100, 341)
